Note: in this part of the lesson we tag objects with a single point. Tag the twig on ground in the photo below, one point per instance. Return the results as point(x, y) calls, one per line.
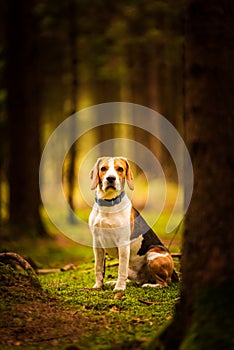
point(46, 271)
point(176, 255)
point(148, 302)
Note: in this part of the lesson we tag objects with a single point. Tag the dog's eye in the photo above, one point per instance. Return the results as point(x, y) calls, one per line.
point(103, 168)
point(120, 169)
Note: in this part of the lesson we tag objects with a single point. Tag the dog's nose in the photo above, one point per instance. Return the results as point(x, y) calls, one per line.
point(111, 179)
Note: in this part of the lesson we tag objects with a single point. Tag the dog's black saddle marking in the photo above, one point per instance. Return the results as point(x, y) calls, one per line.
point(150, 239)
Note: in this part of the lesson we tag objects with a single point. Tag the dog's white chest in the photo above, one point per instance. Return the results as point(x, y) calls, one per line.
point(110, 226)
point(110, 220)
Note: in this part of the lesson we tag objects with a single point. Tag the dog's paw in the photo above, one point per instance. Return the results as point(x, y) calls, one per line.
point(98, 285)
point(120, 286)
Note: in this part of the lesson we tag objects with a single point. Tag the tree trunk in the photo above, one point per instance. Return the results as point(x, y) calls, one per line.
point(23, 110)
point(204, 318)
point(73, 33)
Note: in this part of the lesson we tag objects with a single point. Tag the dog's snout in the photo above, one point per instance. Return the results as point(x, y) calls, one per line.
point(111, 179)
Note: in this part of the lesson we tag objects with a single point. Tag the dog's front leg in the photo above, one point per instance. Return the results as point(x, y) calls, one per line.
point(124, 254)
point(99, 254)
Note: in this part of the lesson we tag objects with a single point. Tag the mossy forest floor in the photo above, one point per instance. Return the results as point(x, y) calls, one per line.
point(64, 312)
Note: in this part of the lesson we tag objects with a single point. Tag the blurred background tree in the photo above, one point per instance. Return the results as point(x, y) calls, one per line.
point(23, 109)
point(57, 58)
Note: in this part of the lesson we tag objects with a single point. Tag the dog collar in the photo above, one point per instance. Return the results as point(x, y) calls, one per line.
point(110, 202)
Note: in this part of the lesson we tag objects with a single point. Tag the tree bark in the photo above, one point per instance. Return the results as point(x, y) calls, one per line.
point(73, 33)
point(23, 111)
point(204, 317)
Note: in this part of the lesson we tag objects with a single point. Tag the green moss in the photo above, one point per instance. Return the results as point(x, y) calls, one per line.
point(118, 323)
point(213, 322)
point(95, 319)
point(211, 326)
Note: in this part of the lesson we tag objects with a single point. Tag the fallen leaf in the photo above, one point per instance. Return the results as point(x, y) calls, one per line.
point(169, 318)
point(119, 295)
point(114, 309)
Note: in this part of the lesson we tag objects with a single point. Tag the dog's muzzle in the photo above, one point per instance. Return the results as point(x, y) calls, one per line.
point(110, 182)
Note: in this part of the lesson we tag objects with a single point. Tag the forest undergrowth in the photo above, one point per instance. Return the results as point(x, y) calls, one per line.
point(59, 309)
point(62, 310)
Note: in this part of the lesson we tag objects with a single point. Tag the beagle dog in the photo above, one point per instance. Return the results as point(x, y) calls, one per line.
point(119, 230)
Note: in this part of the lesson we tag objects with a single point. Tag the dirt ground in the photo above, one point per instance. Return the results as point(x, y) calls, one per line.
point(30, 318)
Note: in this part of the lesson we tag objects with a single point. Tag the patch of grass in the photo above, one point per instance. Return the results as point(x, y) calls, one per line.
point(68, 312)
point(118, 319)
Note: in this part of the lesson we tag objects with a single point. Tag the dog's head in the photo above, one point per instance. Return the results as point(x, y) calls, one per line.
point(110, 173)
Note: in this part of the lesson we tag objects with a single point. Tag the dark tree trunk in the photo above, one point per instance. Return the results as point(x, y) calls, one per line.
point(204, 318)
point(23, 110)
point(209, 127)
point(73, 33)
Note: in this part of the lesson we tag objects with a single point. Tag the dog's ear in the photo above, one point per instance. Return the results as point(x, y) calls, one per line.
point(94, 175)
point(129, 175)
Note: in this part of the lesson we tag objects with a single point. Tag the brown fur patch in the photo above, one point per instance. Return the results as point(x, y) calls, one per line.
point(161, 267)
